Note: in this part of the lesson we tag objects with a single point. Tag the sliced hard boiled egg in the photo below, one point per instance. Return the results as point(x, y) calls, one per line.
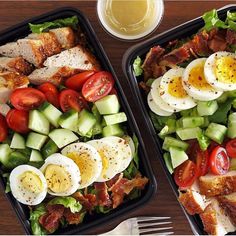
point(155, 95)
point(62, 175)
point(172, 90)
point(220, 71)
point(111, 161)
point(130, 141)
point(28, 185)
point(87, 160)
point(195, 84)
point(155, 107)
point(124, 150)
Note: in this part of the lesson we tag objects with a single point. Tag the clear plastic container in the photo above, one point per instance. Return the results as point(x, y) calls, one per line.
point(130, 19)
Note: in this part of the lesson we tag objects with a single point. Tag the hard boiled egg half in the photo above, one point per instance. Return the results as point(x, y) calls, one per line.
point(28, 185)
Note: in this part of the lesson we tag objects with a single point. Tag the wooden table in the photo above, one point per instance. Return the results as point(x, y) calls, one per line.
point(164, 202)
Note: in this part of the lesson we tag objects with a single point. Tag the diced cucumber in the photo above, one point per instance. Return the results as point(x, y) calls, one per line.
point(189, 112)
point(69, 120)
point(18, 141)
point(35, 141)
point(178, 156)
point(232, 164)
point(168, 163)
point(115, 118)
point(207, 108)
point(51, 113)
point(232, 117)
point(62, 137)
point(38, 122)
point(49, 148)
point(206, 122)
point(216, 132)
point(36, 164)
point(192, 122)
point(169, 128)
point(15, 159)
point(231, 132)
point(224, 96)
point(96, 113)
point(86, 122)
point(173, 142)
point(36, 156)
point(112, 130)
point(5, 151)
point(97, 129)
point(108, 105)
point(188, 133)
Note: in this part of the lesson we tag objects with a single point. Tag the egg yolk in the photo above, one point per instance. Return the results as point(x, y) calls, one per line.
point(31, 182)
point(197, 78)
point(175, 88)
point(226, 70)
point(104, 162)
point(83, 161)
point(58, 179)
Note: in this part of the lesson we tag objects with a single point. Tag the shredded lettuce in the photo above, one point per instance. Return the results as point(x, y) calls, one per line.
point(68, 202)
point(102, 209)
point(39, 28)
point(137, 66)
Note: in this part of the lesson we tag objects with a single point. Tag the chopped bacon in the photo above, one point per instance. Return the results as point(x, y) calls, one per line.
point(103, 197)
point(88, 201)
point(218, 41)
point(112, 181)
point(144, 87)
point(73, 218)
point(59, 209)
point(231, 37)
point(199, 44)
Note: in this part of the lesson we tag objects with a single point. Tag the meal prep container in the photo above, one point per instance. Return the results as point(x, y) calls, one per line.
point(184, 30)
point(20, 31)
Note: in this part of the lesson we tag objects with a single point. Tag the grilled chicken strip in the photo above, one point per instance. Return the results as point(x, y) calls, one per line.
point(10, 50)
point(17, 64)
point(214, 185)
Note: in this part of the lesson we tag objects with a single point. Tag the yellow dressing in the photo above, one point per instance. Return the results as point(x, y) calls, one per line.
point(175, 88)
point(225, 70)
point(58, 179)
point(31, 182)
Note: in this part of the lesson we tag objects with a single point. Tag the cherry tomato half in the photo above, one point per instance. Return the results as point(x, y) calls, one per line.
point(51, 93)
point(219, 161)
point(98, 86)
point(231, 148)
point(185, 174)
point(27, 98)
point(202, 162)
point(77, 81)
point(70, 99)
point(3, 128)
point(18, 120)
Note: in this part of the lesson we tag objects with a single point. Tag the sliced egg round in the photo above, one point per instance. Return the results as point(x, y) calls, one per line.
point(124, 150)
point(62, 175)
point(195, 83)
point(155, 107)
point(173, 92)
point(111, 161)
point(87, 160)
point(28, 185)
point(220, 71)
point(130, 141)
point(155, 95)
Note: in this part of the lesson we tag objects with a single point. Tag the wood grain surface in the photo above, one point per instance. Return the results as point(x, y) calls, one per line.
point(164, 202)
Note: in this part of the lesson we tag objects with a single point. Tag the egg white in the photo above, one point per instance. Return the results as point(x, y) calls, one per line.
point(184, 103)
point(20, 193)
point(198, 93)
point(130, 141)
point(209, 70)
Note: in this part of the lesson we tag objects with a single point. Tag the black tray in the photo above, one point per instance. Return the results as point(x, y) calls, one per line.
point(141, 49)
point(21, 30)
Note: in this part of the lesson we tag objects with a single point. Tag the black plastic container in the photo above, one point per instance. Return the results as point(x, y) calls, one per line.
point(184, 30)
point(21, 30)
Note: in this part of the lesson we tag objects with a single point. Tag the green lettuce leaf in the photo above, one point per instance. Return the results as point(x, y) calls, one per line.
point(34, 220)
point(7, 189)
point(39, 28)
point(137, 66)
point(68, 202)
point(231, 16)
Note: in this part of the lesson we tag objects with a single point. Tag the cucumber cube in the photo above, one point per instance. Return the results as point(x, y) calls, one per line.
point(168, 163)
point(112, 130)
point(49, 148)
point(192, 122)
point(5, 151)
point(207, 108)
point(216, 132)
point(69, 120)
point(115, 118)
point(35, 141)
point(108, 105)
point(35, 156)
point(86, 121)
point(231, 132)
point(178, 156)
point(18, 141)
point(188, 133)
point(173, 142)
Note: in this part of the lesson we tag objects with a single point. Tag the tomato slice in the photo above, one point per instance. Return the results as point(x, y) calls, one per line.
point(185, 174)
point(18, 120)
point(98, 86)
point(3, 128)
point(27, 98)
point(51, 93)
point(219, 161)
point(70, 99)
point(231, 148)
point(76, 82)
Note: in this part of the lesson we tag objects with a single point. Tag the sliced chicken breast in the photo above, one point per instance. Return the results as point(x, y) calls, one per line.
point(17, 64)
point(54, 75)
point(10, 50)
point(76, 58)
point(4, 108)
point(65, 36)
point(215, 220)
point(214, 185)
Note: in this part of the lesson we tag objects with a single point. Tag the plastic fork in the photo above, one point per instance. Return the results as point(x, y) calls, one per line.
point(143, 225)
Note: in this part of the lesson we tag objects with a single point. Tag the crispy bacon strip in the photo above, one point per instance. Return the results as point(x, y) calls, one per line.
point(218, 41)
point(231, 37)
point(103, 197)
point(88, 201)
point(73, 218)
